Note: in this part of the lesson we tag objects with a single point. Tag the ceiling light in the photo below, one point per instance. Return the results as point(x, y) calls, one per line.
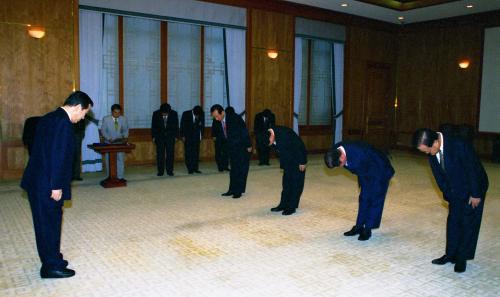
point(469, 6)
point(401, 18)
point(344, 5)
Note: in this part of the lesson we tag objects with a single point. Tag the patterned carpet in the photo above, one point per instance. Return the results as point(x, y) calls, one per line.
point(176, 236)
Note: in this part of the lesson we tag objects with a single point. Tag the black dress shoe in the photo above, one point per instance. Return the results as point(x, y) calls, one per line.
point(443, 260)
point(159, 174)
point(288, 212)
point(354, 231)
point(123, 180)
point(190, 172)
point(277, 208)
point(365, 234)
point(460, 266)
point(228, 193)
point(197, 171)
point(56, 273)
point(170, 173)
point(236, 195)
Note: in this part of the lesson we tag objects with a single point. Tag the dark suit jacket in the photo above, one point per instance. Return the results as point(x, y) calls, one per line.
point(259, 126)
point(217, 130)
point(158, 130)
point(50, 165)
point(464, 175)
point(189, 129)
point(237, 133)
point(365, 161)
point(291, 148)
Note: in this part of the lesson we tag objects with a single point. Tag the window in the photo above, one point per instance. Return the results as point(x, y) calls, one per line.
point(317, 83)
point(141, 70)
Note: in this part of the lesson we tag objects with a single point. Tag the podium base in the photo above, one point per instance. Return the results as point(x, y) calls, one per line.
point(113, 183)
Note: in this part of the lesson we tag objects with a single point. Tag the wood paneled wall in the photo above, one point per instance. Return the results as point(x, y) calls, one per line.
point(36, 75)
point(364, 46)
point(432, 89)
point(270, 81)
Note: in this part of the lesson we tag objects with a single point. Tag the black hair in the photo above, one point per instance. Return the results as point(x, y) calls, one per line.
point(424, 136)
point(332, 158)
point(197, 110)
point(217, 107)
point(165, 108)
point(78, 98)
point(116, 107)
point(229, 110)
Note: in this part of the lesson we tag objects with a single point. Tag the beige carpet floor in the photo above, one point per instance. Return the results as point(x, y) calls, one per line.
point(176, 236)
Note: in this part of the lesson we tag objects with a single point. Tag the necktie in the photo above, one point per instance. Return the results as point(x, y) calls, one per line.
point(224, 128)
point(116, 124)
point(441, 159)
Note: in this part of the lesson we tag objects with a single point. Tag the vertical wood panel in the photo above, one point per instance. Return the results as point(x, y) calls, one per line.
point(36, 75)
point(271, 80)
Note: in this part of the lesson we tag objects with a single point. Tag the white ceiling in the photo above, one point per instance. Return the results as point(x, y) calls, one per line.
point(434, 12)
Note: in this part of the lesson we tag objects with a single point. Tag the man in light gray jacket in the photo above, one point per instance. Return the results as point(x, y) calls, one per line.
point(114, 129)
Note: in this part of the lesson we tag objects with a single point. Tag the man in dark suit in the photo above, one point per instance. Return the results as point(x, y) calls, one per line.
point(263, 121)
point(164, 130)
point(239, 147)
point(221, 155)
point(192, 125)
point(29, 132)
point(374, 172)
point(463, 182)
point(293, 159)
point(47, 179)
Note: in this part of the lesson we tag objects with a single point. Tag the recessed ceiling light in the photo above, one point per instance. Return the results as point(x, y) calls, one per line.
point(401, 18)
point(344, 5)
point(469, 6)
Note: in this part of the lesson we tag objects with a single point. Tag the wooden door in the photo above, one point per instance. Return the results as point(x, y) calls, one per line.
point(378, 106)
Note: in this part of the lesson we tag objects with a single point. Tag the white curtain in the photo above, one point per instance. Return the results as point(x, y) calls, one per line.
point(184, 45)
point(297, 83)
point(321, 83)
point(214, 73)
point(236, 53)
point(338, 54)
point(110, 67)
point(91, 31)
point(303, 82)
point(141, 70)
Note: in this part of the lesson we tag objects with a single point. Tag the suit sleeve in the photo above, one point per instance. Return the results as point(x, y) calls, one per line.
point(154, 131)
point(104, 129)
point(60, 154)
point(302, 151)
point(176, 124)
point(474, 171)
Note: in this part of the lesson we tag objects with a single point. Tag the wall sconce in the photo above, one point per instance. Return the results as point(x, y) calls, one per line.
point(273, 54)
point(463, 63)
point(36, 32)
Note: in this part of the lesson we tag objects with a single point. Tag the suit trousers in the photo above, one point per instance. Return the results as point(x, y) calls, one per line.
point(192, 154)
point(462, 228)
point(47, 219)
point(263, 151)
point(221, 156)
point(165, 149)
point(293, 185)
point(371, 202)
point(240, 164)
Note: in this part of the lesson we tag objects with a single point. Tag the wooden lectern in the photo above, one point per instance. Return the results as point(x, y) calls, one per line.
point(112, 150)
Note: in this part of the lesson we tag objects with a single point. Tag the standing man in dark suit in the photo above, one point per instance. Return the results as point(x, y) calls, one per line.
point(293, 159)
point(192, 125)
point(263, 121)
point(164, 129)
point(463, 181)
point(239, 147)
point(374, 172)
point(221, 155)
point(47, 179)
